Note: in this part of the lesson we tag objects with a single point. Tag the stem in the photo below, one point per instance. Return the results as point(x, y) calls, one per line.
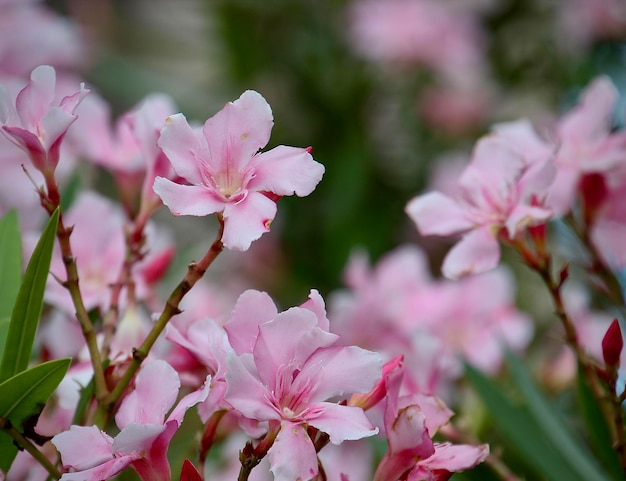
point(614, 419)
point(250, 457)
point(195, 272)
point(208, 437)
point(50, 200)
point(24, 443)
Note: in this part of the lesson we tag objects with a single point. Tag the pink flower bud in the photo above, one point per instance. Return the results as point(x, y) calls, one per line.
point(612, 344)
point(189, 472)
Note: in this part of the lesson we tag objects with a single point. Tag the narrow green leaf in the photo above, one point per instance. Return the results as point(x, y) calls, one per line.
point(24, 396)
point(553, 427)
point(10, 262)
point(28, 305)
point(4, 332)
point(597, 428)
point(521, 432)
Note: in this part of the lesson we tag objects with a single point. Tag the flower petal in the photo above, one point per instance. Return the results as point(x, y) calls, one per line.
point(286, 171)
point(252, 309)
point(187, 199)
point(293, 456)
point(238, 131)
point(477, 251)
point(184, 148)
point(83, 447)
point(156, 389)
point(341, 423)
point(437, 214)
point(137, 438)
point(247, 220)
point(35, 99)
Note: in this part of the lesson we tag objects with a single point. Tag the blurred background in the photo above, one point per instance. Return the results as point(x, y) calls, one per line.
point(391, 94)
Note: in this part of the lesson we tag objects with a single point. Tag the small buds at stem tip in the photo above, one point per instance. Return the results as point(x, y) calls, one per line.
point(612, 344)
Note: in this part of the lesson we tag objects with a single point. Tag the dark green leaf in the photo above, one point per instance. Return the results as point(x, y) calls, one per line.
point(597, 428)
point(4, 332)
point(521, 432)
point(10, 262)
point(24, 396)
point(28, 305)
point(553, 427)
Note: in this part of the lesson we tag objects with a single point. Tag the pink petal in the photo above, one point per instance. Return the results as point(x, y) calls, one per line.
point(523, 216)
point(156, 389)
point(35, 99)
point(184, 149)
point(246, 393)
point(316, 305)
point(435, 411)
point(247, 220)
point(492, 174)
point(408, 432)
point(83, 447)
point(342, 423)
point(286, 171)
point(188, 401)
point(437, 214)
point(103, 471)
point(478, 251)
point(55, 123)
point(187, 199)
point(252, 309)
point(293, 456)
point(454, 458)
point(341, 370)
point(589, 121)
point(137, 438)
point(238, 131)
point(28, 142)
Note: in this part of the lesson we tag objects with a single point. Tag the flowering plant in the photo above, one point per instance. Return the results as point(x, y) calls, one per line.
point(116, 364)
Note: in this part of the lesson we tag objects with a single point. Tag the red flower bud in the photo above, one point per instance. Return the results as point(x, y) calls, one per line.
point(612, 344)
point(189, 472)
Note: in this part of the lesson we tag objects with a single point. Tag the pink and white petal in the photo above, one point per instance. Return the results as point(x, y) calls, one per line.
point(523, 216)
point(478, 251)
point(589, 121)
point(316, 305)
point(187, 199)
point(246, 393)
point(341, 423)
point(293, 456)
point(55, 123)
point(341, 370)
point(407, 432)
point(492, 173)
point(435, 410)
point(522, 137)
point(137, 438)
point(103, 471)
point(83, 447)
point(286, 171)
point(185, 149)
point(247, 220)
point(437, 214)
point(188, 401)
point(454, 458)
point(238, 131)
point(562, 192)
point(154, 465)
point(29, 142)
point(156, 389)
point(35, 99)
point(252, 309)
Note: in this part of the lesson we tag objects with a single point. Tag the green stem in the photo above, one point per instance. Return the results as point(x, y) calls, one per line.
point(195, 272)
point(24, 443)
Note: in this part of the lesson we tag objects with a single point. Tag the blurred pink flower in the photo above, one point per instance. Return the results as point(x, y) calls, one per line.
point(226, 174)
point(37, 123)
point(496, 192)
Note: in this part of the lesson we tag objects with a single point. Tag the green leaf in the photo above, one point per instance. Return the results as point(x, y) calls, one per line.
point(552, 425)
point(521, 432)
point(597, 428)
point(10, 262)
point(27, 309)
point(24, 396)
point(4, 332)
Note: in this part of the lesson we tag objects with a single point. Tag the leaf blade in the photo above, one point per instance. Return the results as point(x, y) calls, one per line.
point(10, 262)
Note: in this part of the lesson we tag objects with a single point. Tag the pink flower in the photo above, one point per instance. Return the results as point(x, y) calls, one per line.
point(227, 175)
point(142, 443)
point(38, 123)
point(411, 420)
point(496, 192)
point(294, 368)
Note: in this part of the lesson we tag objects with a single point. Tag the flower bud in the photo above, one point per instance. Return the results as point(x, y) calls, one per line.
point(612, 344)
